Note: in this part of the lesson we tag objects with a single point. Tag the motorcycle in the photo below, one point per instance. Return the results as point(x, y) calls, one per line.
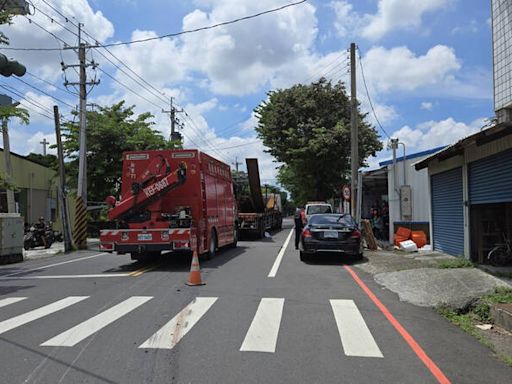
point(34, 238)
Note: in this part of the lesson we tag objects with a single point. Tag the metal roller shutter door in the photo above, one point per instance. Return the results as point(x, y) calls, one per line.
point(490, 179)
point(448, 212)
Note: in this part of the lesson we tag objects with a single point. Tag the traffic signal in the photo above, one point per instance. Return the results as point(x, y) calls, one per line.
point(11, 67)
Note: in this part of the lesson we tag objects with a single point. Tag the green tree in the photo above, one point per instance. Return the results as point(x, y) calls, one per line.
point(307, 127)
point(111, 131)
point(5, 18)
point(50, 161)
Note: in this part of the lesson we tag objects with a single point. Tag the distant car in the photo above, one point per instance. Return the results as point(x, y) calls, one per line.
point(331, 233)
point(314, 208)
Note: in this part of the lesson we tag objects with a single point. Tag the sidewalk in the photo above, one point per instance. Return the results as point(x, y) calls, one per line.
point(55, 249)
point(417, 278)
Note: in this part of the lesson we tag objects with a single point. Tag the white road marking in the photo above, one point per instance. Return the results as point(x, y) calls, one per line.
point(264, 329)
point(171, 333)
point(280, 255)
point(356, 338)
point(89, 327)
point(67, 276)
point(10, 300)
point(35, 314)
point(54, 265)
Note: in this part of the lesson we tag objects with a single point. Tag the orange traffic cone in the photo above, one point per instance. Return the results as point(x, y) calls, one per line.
point(195, 272)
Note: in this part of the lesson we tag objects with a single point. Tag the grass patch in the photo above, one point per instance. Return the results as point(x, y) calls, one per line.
point(479, 313)
point(455, 263)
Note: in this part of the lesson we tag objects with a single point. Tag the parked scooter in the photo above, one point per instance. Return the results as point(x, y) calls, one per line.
point(38, 235)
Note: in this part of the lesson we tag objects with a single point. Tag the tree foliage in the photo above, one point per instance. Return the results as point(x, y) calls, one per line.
point(111, 131)
point(307, 127)
point(5, 18)
point(49, 160)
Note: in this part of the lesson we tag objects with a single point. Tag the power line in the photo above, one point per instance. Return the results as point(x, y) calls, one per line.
point(128, 88)
point(50, 83)
point(369, 98)
point(207, 27)
point(176, 33)
point(45, 93)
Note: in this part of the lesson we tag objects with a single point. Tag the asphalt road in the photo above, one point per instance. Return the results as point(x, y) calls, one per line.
point(100, 318)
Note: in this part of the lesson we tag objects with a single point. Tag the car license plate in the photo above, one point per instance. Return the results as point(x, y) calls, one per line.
point(144, 237)
point(331, 234)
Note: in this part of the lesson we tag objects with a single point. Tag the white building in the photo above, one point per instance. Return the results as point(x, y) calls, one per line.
point(407, 197)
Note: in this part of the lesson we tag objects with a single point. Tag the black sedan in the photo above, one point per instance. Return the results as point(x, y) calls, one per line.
point(331, 233)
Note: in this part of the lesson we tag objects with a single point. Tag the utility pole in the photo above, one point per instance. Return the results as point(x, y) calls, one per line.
point(11, 205)
point(62, 190)
point(82, 83)
point(236, 164)
point(44, 143)
point(175, 136)
point(354, 145)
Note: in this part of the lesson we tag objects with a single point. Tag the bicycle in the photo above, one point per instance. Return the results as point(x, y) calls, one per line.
point(501, 254)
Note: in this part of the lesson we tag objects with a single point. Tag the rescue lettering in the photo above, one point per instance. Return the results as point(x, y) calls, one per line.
point(155, 188)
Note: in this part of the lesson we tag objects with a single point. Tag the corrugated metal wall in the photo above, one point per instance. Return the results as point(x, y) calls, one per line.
point(490, 179)
point(448, 212)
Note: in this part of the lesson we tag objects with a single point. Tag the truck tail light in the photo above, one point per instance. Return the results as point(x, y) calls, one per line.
point(355, 234)
point(306, 233)
point(107, 246)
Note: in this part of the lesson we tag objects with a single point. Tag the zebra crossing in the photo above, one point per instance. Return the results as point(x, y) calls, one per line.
point(261, 336)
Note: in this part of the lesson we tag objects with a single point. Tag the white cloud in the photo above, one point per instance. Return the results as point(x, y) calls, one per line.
point(400, 69)
point(241, 58)
point(433, 134)
point(22, 33)
point(398, 15)
point(427, 106)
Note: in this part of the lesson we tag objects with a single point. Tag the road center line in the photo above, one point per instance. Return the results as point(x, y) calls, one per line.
point(142, 270)
point(280, 255)
point(53, 265)
point(422, 355)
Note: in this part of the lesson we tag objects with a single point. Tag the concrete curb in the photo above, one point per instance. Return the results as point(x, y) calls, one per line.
point(502, 314)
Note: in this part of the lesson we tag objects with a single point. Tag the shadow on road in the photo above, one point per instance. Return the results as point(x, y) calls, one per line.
point(333, 259)
point(7, 290)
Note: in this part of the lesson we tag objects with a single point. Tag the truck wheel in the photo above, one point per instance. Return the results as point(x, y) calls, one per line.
point(212, 246)
point(262, 229)
point(235, 237)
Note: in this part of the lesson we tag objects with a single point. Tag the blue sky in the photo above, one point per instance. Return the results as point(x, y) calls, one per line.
point(428, 65)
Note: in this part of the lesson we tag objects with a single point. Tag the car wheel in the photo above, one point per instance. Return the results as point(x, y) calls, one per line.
point(302, 256)
point(359, 256)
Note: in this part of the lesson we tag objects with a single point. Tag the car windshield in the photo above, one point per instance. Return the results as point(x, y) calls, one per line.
point(342, 220)
point(314, 209)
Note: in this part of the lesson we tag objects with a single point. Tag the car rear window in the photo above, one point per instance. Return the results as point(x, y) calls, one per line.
point(344, 220)
point(314, 209)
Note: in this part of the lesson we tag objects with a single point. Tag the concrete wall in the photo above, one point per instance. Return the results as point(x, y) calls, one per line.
point(37, 185)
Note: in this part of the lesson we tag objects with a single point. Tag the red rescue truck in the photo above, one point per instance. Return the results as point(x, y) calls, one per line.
point(171, 200)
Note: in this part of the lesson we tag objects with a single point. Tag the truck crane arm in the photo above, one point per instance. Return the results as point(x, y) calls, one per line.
point(149, 190)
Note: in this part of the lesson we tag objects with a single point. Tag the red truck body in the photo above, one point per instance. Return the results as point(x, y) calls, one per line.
point(172, 200)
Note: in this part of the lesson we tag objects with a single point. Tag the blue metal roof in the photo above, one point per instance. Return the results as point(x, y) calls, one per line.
point(413, 155)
